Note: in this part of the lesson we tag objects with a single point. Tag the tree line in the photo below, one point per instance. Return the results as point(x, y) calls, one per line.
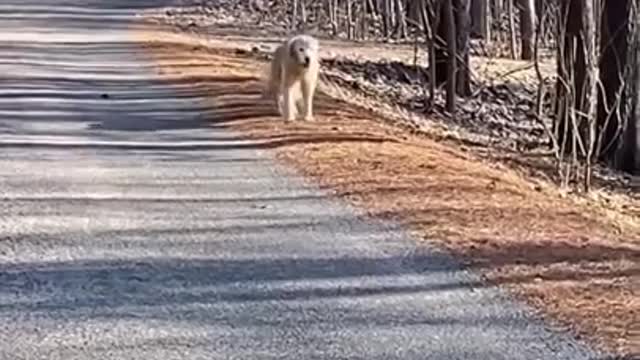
point(595, 109)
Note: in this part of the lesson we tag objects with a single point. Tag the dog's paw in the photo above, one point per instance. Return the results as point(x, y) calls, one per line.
point(288, 117)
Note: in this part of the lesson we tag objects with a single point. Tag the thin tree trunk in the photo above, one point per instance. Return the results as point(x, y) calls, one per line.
point(363, 18)
point(462, 27)
point(512, 29)
point(497, 13)
point(527, 28)
point(386, 18)
point(588, 105)
point(350, 26)
point(401, 22)
point(541, 7)
point(488, 20)
point(460, 11)
point(332, 16)
point(428, 10)
point(303, 14)
point(450, 24)
point(294, 16)
point(441, 58)
point(480, 19)
point(392, 17)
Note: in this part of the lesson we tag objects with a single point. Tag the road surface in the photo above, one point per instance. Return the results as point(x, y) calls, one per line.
point(131, 229)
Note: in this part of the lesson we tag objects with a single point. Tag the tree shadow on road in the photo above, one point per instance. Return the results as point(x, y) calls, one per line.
point(174, 288)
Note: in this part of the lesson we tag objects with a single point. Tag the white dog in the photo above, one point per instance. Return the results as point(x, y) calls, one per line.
point(294, 62)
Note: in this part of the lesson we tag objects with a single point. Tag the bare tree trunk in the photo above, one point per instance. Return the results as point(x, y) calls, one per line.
point(441, 58)
point(476, 18)
point(294, 16)
point(336, 20)
point(527, 28)
point(497, 13)
point(392, 17)
point(386, 18)
point(303, 14)
point(401, 22)
point(541, 7)
point(614, 53)
point(497, 8)
point(363, 19)
point(628, 158)
point(488, 20)
point(429, 9)
point(331, 9)
point(481, 19)
point(588, 104)
point(460, 11)
point(450, 24)
point(463, 27)
point(414, 9)
point(350, 26)
point(619, 110)
point(512, 29)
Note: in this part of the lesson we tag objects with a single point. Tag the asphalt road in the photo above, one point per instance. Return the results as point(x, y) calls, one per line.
point(129, 229)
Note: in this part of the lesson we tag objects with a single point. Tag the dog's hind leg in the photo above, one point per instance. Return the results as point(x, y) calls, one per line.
point(299, 101)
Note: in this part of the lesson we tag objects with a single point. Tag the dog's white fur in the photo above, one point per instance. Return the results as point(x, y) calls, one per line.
point(295, 62)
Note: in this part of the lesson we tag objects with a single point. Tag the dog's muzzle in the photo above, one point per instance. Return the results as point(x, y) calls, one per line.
point(306, 62)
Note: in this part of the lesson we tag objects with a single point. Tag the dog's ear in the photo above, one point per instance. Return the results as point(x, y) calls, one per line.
point(292, 49)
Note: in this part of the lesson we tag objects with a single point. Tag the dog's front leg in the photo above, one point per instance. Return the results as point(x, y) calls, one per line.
point(308, 89)
point(288, 104)
point(300, 105)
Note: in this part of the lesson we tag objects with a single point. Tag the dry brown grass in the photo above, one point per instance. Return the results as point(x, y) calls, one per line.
point(575, 262)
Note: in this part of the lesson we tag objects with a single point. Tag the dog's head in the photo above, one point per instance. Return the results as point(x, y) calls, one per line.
point(303, 49)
